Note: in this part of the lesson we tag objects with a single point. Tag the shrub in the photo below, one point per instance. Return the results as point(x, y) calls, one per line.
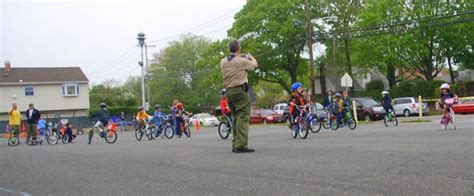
point(376, 85)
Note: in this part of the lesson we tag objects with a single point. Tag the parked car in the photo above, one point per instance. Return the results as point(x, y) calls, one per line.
point(464, 106)
point(369, 109)
point(322, 113)
point(265, 116)
point(280, 108)
point(408, 105)
point(204, 119)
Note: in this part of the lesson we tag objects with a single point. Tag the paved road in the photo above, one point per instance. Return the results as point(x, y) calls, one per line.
point(413, 159)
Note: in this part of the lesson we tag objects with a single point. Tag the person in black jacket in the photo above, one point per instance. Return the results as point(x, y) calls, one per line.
point(103, 116)
point(32, 117)
point(328, 99)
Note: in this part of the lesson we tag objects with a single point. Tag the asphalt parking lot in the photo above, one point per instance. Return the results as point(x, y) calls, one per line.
point(411, 159)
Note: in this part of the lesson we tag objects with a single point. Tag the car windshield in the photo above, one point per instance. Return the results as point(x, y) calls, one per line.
point(266, 112)
point(369, 102)
point(205, 115)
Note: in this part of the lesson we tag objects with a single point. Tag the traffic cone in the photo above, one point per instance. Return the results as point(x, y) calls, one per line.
point(197, 124)
point(112, 127)
point(23, 130)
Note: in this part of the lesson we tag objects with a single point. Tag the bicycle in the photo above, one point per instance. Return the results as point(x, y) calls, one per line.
point(450, 116)
point(110, 135)
point(314, 120)
point(348, 119)
point(390, 118)
point(13, 139)
point(52, 136)
point(184, 128)
point(300, 127)
point(165, 128)
point(225, 127)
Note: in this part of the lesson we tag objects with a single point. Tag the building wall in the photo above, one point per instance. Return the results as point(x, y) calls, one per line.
point(47, 97)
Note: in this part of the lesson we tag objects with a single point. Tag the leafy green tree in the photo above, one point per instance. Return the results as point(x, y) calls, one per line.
point(274, 32)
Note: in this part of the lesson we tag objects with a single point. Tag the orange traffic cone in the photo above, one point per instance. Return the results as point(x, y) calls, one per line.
point(197, 124)
point(23, 130)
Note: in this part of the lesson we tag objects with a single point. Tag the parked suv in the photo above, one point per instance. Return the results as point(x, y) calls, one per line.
point(408, 105)
point(280, 108)
point(369, 109)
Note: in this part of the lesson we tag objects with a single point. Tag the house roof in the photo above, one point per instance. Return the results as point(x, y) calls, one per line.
point(42, 75)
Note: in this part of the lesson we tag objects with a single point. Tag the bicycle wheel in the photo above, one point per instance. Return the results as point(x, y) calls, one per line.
point(13, 141)
point(187, 132)
point(295, 129)
point(52, 139)
point(91, 133)
point(351, 123)
point(138, 133)
point(110, 136)
point(325, 123)
point(453, 119)
point(386, 121)
point(169, 132)
point(65, 139)
point(333, 124)
point(149, 134)
point(314, 125)
point(394, 121)
point(223, 130)
point(303, 132)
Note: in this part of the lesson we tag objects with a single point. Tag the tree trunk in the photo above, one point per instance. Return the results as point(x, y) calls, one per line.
point(391, 75)
point(348, 59)
point(451, 74)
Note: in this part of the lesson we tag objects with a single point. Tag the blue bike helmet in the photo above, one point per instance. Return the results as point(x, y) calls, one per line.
point(296, 86)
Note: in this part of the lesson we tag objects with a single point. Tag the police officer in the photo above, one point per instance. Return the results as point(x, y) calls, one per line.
point(234, 71)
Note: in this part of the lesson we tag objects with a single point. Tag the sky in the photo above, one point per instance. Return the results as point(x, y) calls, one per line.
point(100, 35)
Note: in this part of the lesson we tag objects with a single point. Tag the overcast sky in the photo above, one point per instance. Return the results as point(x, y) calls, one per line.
point(100, 35)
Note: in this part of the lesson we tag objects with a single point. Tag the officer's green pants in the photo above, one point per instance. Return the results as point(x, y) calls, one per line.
point(239, 104)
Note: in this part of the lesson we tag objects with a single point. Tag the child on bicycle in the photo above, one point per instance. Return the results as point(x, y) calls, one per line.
point(224, 105)
point(104, 118)
point(178, 109)
point(446, 94)
point(296, 100)
point(41, 128)
point(338, 108)
point(141, 116)
point(69, 133)
point(387, 102)
point(159, 116)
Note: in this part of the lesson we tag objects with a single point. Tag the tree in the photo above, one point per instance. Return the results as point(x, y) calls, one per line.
point(178, 72)
point(273, 31)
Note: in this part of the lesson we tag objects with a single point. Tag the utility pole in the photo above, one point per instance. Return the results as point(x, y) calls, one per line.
point(310, 47)
point(148, 97)
point(334, 61)
point(141, 44)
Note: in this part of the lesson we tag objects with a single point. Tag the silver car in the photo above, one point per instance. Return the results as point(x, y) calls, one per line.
point(407, 106)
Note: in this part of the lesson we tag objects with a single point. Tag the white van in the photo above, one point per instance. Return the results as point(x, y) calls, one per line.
point(279, 108)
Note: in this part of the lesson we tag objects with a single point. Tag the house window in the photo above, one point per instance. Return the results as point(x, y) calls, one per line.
point(29, 91)
point(70, 90)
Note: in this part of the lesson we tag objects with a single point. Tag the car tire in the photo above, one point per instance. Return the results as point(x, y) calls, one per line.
point(406, 113)
point(367, 117)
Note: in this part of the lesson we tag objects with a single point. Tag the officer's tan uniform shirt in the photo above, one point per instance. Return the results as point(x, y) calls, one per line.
point(234, 71)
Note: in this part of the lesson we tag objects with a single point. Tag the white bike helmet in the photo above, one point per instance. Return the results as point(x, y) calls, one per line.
point(445, 86)
point(384, 92)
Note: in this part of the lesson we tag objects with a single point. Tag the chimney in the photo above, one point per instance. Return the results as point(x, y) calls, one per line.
point(8, 68)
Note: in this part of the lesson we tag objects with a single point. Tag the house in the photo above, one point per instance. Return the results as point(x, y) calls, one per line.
point(459, 75)
point(59, 92)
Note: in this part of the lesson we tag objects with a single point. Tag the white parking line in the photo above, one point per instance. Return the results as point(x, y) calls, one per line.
point(13, 192)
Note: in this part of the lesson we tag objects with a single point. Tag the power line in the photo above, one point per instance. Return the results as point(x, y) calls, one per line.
point(115, 61)
point(198, 27)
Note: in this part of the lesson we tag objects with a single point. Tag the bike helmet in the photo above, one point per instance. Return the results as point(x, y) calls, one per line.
point(296, 86)
point(141, 108)
point(445, 86)
point(157, 106)
point(384, 92)
point(102, 105)
point(223, 92)
point(338, 95)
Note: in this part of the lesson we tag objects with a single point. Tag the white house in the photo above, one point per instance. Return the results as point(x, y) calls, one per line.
point(59, 92)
